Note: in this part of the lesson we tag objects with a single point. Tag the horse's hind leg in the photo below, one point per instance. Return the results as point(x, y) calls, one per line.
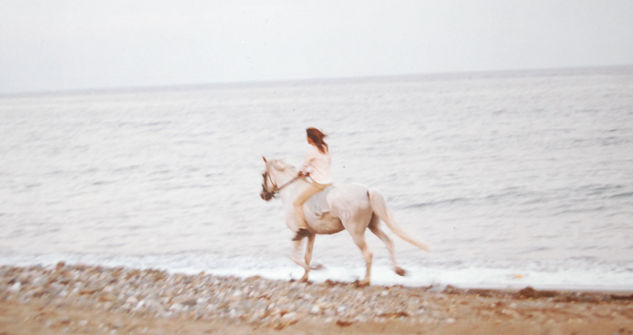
point(374, 226)
point(359, 239)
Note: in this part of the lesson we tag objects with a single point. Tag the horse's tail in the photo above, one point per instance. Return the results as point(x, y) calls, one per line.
point(380, 208)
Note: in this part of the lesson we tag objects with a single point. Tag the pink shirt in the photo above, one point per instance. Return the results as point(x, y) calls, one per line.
point(319, 165)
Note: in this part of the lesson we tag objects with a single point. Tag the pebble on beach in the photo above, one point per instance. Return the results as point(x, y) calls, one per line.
point(258, 301)
point(161, 294)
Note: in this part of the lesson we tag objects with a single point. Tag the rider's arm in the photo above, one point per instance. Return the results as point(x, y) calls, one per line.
point(306, 168)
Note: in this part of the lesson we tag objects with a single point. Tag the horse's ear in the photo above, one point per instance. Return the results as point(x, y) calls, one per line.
point(264, 158)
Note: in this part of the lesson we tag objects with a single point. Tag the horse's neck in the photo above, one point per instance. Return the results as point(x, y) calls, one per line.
point(291, 191)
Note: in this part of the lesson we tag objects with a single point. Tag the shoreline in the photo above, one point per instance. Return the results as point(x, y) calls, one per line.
point(86, 299)
point(607, 279)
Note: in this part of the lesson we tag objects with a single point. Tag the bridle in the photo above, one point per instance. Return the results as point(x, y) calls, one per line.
point(266, 194)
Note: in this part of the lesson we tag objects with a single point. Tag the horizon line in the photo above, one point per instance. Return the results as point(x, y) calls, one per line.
point(307, 80)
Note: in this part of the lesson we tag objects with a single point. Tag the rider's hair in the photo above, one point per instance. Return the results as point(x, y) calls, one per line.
point(317, 137)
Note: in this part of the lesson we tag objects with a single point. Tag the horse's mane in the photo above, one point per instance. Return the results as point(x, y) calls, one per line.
point(280, 165)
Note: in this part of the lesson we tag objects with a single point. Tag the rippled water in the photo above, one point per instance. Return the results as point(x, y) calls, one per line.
point(512, 178)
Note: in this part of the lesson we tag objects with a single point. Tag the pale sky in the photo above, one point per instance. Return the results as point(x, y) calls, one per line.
point(79, 44)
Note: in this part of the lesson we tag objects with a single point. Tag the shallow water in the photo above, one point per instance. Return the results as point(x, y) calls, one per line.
point(512, 178)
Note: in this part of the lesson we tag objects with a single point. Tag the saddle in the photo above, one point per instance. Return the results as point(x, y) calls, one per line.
point(317, 204)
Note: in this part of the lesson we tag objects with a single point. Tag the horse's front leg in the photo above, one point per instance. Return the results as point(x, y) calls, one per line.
point(308, 257)
point(296, 255)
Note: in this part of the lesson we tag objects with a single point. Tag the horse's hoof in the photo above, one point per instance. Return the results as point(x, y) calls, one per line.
point(361, 283)
point(317, 267)
point(400, 271)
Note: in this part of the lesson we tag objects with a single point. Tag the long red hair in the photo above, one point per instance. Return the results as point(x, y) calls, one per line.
point(317, 137)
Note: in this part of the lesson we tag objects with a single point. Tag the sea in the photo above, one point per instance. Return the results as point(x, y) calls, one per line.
point(514, 178)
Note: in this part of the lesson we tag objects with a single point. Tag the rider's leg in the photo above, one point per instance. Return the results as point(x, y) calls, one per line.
point(311, 190)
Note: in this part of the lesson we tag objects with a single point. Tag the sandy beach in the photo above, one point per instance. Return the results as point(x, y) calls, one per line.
point(81, 299)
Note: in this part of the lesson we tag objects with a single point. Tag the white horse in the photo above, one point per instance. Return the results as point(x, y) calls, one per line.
point(351, 207)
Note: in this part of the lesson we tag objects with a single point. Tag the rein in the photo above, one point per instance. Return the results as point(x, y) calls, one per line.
point(276, 189)
point(286, 184)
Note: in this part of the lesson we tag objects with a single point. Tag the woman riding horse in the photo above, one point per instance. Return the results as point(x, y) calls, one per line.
point(317, 166)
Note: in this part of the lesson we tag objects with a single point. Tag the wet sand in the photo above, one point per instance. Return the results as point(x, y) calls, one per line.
point(82, 299)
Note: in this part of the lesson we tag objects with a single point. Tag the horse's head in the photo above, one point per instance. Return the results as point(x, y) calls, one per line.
point(268, 187)
point(271, 175)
